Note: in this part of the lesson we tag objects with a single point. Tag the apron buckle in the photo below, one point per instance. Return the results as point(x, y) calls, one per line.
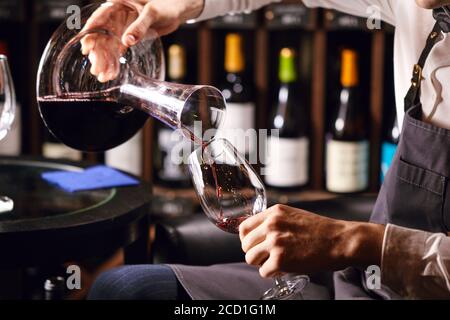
point(417, 76)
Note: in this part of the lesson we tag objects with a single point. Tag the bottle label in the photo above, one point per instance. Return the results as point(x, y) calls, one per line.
point(127, 156)
point(387, 155)
point(56, 150)
point(239, 127)
point(171, 145)
point(288, 162)
point(347, 166)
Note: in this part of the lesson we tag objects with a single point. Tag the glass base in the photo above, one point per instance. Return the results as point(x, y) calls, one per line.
point(289, 288)
point(6, 204)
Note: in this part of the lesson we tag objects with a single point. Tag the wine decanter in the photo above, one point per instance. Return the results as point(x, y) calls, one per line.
point(87, 114)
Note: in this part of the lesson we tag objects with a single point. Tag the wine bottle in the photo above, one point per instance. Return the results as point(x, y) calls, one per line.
point(50, 13)
point(391, 137)
point(128, 156)
point(347, 163)
point(11, 145)
point(288, 154)
point(237, 88)
point(169, 166)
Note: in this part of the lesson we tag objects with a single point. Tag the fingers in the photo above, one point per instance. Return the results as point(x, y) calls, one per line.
point(253, 238)
point(258, 254)
point(99, 17)
point(103, 53)
point(104, 58)
point(271, 267)
point(105, 61)
point(137, 30)
point(113, 69)
point(88, 43)
point(97, 56)
point(253, 222)
point(112, 53)
point(265, 255)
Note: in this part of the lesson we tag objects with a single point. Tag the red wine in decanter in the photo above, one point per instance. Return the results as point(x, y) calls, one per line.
point(90, 125)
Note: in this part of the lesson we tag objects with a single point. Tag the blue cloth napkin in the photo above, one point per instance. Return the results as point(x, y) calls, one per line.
point(97, 177)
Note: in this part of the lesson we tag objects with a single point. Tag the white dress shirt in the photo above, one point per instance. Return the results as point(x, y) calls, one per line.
point(415, 264)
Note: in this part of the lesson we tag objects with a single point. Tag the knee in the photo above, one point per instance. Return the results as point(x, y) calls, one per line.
point(111, 285)
point(135, 283)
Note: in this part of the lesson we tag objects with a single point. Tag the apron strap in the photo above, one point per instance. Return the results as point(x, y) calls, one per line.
point(413, 96)
point(442, 17)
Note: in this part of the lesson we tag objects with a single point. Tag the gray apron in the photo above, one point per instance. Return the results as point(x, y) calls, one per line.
point(414, 194)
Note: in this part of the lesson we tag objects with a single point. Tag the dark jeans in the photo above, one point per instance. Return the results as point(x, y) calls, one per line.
point(138, 282)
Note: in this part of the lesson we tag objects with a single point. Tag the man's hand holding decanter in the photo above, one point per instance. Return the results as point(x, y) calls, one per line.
point(131, 21)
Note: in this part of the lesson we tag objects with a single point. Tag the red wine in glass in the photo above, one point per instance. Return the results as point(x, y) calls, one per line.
point(230, 225)
point(230, 187)
point(230, 191)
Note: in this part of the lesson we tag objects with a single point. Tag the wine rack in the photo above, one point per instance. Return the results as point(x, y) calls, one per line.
point(317, 34)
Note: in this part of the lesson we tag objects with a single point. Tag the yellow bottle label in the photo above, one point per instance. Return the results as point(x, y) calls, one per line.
point(234, 56)
point(177, 62)
point(349, 69)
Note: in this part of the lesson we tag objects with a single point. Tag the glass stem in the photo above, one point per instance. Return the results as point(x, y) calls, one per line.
point(279, 282)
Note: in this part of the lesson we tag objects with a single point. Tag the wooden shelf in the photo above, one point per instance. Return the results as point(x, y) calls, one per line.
point(311, 29)
point(273, 195)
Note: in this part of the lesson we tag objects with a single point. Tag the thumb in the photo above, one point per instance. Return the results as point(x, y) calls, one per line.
point(137, 30)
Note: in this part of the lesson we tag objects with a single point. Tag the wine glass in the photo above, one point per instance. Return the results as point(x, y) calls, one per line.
point(7, 113)
point(230, 191)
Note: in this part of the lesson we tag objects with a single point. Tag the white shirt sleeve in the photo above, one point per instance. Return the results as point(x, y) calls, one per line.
point(214, 8)
point(416, 264)
point(364, 8)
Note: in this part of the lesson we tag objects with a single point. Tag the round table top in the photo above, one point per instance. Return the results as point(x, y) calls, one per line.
point(47, 221)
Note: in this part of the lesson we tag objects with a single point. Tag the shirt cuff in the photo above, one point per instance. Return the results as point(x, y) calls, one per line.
point(212, 8)
point(410, 263)
point(316, 3)
point(215, 8)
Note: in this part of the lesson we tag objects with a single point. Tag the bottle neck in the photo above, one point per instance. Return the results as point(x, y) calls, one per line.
point(286, 92)
point(234, 55)
point(177, 63)
point(349, 105)
point(350, 120)
point(349, 69)
point(233, 77)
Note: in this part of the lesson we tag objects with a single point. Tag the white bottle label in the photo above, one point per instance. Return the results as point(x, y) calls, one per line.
point(175, 149)
point(55, 150)
point(239, 127)
point(127, 156)
point(12, 143)
point(347, 166)
point(287, 162)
